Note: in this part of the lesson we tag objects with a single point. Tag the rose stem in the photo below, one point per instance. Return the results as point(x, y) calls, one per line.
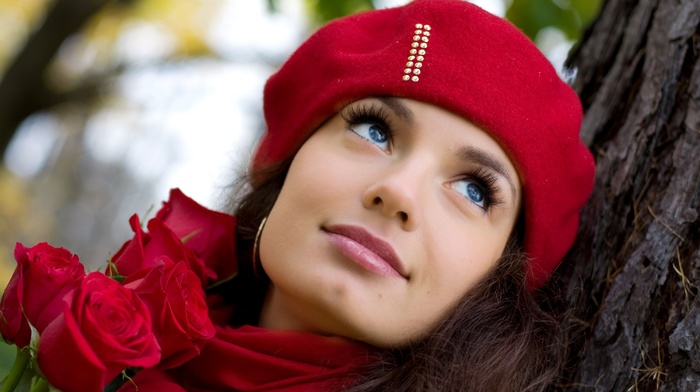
point(18, 368)
point(41, 385)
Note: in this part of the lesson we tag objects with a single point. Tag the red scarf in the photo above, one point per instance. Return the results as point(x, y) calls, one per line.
point(257, 359)
point(250, 358)
point(254, 359)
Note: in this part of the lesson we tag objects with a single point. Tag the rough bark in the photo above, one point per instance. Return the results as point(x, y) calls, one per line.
point(632, 279)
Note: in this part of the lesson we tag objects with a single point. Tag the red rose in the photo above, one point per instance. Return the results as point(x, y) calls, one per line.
point(209, 233)
point(165, 243)
point(129, 258)
point(176, 300)
point(43, 276)
point(103, 329)
point(145, 250)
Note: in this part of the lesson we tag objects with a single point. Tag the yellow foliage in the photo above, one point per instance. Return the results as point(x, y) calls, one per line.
point(107, 24)
point(13, 207)
point(7, 266)
point(29, 10)
point(17, 18)
point(187, 20)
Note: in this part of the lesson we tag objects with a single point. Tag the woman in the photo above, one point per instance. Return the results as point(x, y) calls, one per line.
point(420, 178)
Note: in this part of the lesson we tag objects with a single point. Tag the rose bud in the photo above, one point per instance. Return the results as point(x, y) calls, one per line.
point(129, 258)
point(43, 276)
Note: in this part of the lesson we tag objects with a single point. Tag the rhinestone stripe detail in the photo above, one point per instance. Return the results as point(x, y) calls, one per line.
point(416, 55)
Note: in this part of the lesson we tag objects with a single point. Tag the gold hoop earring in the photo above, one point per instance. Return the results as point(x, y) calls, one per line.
point(256, 246)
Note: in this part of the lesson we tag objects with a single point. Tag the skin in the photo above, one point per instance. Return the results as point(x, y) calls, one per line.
point(410, 190)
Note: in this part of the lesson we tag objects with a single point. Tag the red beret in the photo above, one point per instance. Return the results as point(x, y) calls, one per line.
point(472, 63)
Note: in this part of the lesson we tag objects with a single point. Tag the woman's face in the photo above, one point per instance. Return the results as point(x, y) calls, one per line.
point(390, 212)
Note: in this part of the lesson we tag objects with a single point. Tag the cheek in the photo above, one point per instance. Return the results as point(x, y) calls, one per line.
point(456, 261)
point(278, 237)
point(310, 194)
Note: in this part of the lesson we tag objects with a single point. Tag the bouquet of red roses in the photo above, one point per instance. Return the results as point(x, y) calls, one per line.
point(89, 332)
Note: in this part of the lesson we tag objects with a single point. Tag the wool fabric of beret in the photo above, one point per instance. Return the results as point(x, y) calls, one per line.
point(474, 64)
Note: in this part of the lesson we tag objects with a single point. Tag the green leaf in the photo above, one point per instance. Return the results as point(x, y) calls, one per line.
point(145, 216)
point(323, 11)
point(42, 385)
point(124, 377)
point(222, 281)
point(111, 269)
point(192, 234)
point(119, 278)
point(272, 6)
point(28, 378)
point(569, 16)
point(33, 341)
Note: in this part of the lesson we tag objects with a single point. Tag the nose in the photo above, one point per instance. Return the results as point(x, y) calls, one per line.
point(397, 193)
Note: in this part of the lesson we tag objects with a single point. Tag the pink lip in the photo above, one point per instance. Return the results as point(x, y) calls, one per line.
point(368, 251)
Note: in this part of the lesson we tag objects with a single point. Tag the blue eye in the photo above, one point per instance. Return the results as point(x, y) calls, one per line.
point(372, 132)
point(473, 192)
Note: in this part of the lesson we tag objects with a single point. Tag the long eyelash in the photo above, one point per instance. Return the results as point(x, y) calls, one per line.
point(367, 113)
point(487, 180)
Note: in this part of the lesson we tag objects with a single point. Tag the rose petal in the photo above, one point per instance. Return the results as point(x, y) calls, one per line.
point(67, 360)
point(43, 276)
point(104, 329)
point(209, 233)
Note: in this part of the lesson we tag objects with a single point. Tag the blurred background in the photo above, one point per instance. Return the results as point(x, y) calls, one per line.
point(107, 104)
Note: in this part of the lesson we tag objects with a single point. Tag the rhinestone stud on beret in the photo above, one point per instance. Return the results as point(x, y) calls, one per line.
point(421, 37)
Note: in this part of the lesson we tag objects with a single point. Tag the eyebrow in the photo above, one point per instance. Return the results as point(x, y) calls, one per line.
point(484, 158)
point(401, 110)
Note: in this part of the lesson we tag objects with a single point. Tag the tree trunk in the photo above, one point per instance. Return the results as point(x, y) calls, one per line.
point(632, 279)
point(23, 88)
